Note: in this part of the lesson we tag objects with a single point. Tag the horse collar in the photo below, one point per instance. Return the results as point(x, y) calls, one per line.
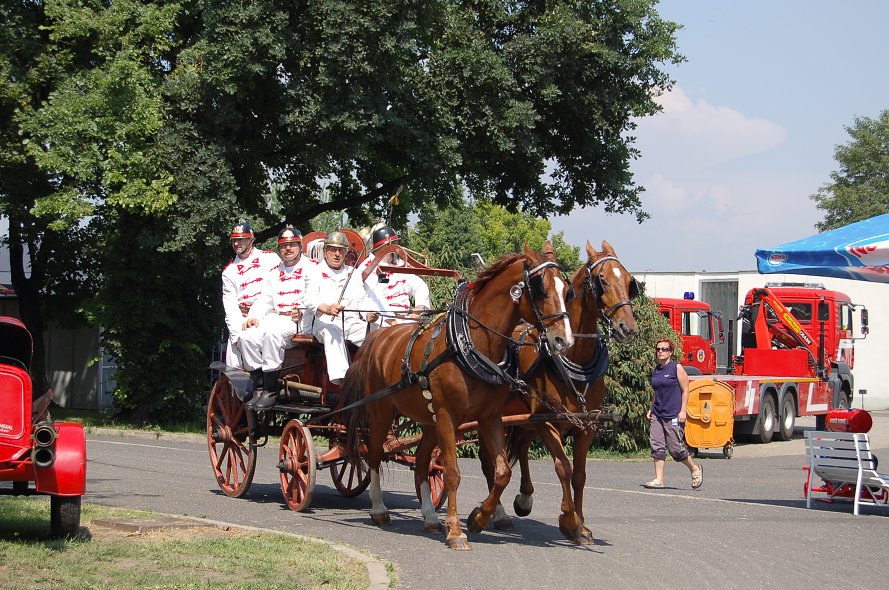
point(468, 358)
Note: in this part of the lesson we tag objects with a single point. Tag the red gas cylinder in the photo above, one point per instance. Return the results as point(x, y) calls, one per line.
point(849, 421)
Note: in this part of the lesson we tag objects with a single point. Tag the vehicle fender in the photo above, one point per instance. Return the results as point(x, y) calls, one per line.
point(838, 382)
point(791, 390)
point(769, 388)
point(67, 474)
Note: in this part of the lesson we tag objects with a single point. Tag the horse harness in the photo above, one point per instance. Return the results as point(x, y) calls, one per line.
point(460, 346)
point(568, 371)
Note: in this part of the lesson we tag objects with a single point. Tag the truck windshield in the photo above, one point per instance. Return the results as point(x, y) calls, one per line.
point(845, 318)
point(801, 311)
point(697, 323)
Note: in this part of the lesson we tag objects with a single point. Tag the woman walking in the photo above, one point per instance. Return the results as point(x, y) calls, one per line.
point(667, 416)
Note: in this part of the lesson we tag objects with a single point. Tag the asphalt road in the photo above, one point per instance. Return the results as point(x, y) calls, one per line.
point(746, 528)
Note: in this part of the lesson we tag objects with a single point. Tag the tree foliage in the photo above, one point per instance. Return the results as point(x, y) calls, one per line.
point(177, 118)
point(451, 236)
point(628, 381)
point(859, 189)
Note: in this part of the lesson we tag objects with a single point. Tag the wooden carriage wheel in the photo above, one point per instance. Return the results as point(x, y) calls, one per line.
point(296, 462)
point(348, 478)
point(230, 439)
point(436, 479)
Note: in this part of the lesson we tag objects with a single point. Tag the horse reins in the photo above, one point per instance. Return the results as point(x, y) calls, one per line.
point(607, 312)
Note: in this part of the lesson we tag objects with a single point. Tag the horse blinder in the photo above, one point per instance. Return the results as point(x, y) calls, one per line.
point(569, 293)
point(634, 289)
point(536, 287)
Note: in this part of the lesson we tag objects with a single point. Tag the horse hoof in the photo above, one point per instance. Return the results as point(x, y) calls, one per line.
point(571, 528)
point(381, 519)
point(432, 527)
point(459, 543)
point(586, 537)
point(473, 523)
point(519, 507)
point(504, 524)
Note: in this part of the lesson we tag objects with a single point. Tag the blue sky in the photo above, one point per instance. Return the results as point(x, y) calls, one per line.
point(748, 132)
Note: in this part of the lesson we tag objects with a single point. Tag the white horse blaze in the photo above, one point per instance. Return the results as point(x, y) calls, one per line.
point(560, 289)
point(617, 272)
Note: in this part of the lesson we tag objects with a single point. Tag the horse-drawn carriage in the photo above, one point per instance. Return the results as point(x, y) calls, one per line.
point(439, 375)
point(32, 446)
point(307, 412)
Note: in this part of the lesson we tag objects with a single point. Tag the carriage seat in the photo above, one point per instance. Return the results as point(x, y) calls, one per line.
point(305, 339)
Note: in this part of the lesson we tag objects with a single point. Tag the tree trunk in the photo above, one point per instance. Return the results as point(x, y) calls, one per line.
point(30, 302)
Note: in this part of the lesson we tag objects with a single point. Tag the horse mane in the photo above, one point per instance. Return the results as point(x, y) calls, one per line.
point(492, 271)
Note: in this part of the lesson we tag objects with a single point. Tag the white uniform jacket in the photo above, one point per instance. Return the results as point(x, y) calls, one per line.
point(241, 284)
point(393, 293)
point(285, 288)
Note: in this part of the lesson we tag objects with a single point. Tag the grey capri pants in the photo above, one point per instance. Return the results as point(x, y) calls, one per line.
point(667, 436)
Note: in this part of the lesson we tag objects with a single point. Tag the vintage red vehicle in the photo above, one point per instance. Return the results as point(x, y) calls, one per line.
point(33, 448)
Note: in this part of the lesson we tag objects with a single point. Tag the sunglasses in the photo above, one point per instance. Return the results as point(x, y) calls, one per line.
point(663, 349)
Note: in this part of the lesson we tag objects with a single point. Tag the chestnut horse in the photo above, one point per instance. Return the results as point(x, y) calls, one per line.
point(605, 291)
point(444, 373)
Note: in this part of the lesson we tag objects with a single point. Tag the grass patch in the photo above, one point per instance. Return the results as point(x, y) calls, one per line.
point(186, 558)
point(92, 419)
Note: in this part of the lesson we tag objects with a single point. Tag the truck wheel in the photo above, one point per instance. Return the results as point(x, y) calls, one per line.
point(64, 516)
point(766, 420)
point(788, 418)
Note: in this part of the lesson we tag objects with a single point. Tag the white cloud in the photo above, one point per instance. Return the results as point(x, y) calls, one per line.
point(698, 134)
point(711, 205)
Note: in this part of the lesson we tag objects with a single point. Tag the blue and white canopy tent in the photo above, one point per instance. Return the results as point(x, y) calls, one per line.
point(858, 251)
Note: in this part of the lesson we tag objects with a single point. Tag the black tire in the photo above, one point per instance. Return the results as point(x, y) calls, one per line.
point(64, 516)
point(20, 488)
point(787, 417)
point(766, 420)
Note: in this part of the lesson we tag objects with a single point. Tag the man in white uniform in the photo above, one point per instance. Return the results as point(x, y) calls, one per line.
point(334, 291)
point(277, 314)
point(241, 283)
point(395, 291)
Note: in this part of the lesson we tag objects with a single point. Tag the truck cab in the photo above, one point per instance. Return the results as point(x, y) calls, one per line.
point(821, 322)
point(699, 328)
point(798, 339)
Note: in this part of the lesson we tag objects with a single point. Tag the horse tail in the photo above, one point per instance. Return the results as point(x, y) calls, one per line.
point(353, 389)
point(513, 445)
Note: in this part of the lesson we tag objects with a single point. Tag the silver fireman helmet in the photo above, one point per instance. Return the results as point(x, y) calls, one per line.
point(336, 239)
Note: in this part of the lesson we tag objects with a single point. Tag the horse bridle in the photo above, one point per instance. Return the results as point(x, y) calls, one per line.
point(593, 284)
point(534, 282)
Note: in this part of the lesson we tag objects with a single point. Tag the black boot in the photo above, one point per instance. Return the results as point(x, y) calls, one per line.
point(269, 392)
point(256, 379)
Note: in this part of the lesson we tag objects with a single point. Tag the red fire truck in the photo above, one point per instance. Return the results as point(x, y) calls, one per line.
point(700, 329)
point(797, 355)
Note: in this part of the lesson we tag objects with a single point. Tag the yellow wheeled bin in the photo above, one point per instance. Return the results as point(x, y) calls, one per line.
point(710, 421)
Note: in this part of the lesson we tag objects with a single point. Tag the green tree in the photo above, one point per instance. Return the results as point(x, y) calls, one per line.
point(450, 236)
point(628, 381)
point(178, 118)
point(47, 264)
point(859, 189)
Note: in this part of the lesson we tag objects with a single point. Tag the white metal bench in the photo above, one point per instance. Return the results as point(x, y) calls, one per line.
point(843, 459)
